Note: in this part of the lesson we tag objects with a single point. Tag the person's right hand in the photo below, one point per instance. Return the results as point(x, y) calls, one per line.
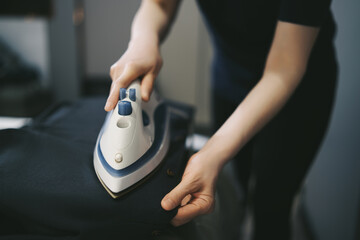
point(194, 195)
point(141, 60)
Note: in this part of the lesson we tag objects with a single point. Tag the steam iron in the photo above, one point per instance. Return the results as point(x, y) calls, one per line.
point(133, 141)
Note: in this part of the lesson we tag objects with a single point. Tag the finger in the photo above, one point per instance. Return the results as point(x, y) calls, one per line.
point(111, 101)
point(129, 74)
point(186, 199)
point(174, 198)
point(115, 71)
point(196, 207)
point(113, 96)
point(147, 85)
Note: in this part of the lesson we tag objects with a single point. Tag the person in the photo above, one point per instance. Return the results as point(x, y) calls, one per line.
point(273, 81)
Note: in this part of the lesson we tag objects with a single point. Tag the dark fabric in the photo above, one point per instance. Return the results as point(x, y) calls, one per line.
point(242, 32)
point(304, 12)
point(280, 155)
point(49, 189)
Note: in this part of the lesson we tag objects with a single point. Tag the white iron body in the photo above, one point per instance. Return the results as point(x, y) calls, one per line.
point(126, 150)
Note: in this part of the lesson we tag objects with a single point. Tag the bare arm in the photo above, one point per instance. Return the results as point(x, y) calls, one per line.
point(142, 58)
point(285, 67)
point(153, 19)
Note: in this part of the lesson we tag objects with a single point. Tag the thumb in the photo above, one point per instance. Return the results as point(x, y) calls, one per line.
point(174, 198)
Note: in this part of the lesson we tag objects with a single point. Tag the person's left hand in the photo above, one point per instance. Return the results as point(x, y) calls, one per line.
point(195, 193)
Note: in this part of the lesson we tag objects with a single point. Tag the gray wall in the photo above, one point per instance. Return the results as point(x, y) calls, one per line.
point(28, 38)
point(107, 33)
point(332, 192)
point(64, 57)
point(50, 46)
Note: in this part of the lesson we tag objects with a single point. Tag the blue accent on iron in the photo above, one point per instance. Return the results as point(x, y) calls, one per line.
point(122, 93)
point(160, 120)
point(132, 94)
point(146, 119)
point(125, 108)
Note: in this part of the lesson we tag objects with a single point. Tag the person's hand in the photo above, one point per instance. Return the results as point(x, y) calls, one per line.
point(142, 60)
point(195, 193)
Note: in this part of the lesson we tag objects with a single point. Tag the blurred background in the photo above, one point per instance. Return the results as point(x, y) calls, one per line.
point(60, 50)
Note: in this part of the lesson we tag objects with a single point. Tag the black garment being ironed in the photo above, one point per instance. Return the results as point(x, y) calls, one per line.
point(49, 189)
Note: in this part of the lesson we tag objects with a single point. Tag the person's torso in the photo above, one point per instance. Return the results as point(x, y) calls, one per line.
point(242, 32)
point(244, 29)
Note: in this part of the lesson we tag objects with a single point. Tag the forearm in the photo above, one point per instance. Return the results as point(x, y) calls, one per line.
point(153, 20)
point(257, 109)
point(285, 67)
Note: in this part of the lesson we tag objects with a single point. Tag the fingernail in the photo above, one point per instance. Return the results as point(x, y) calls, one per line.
point(169, 204)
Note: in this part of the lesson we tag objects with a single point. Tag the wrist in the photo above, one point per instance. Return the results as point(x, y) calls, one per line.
point(204, 167)
point(146, 37)
point(217, 151)
point(211, 158)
